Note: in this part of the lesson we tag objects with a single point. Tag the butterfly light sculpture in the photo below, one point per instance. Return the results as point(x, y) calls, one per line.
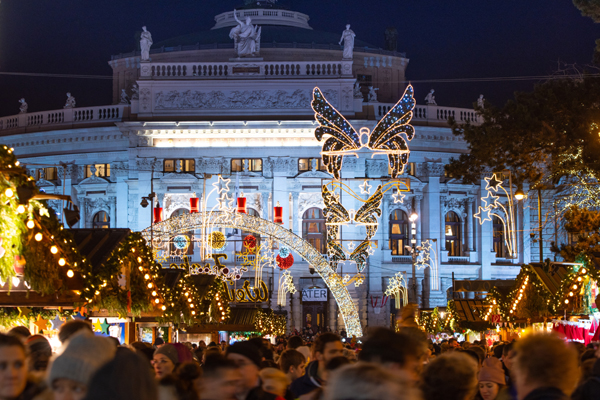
point(390, 136)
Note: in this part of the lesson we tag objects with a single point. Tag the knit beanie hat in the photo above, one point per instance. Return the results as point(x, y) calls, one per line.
point(169, 351)
point(492, 371)
point(247, 350)
point(38, 343)
point(83, 356)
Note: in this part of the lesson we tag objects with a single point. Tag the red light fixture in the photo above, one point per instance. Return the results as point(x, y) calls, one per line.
point(241, 204)
point(194, 205)
point(278, 214)
point(158, 214)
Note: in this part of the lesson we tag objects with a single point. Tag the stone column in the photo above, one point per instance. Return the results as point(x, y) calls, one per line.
point(420, 219)
point(264, 198)
point(295, 216)
point(470, 226)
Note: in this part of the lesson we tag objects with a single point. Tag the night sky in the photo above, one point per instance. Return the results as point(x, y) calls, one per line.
point(442, 39)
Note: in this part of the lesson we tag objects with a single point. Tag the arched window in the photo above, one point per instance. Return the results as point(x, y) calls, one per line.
point(182, 244)
point(499, 243)
point(453, 234)
point(101, 220)
point(399, 233)
point(314, 230)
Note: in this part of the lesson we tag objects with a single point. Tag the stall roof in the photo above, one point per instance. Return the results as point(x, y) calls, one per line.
point(96, 245)
point(553, 278)
point(481, 285)
point(242, 316)
point(470, 309)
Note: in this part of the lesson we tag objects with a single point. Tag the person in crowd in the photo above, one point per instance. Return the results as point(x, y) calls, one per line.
point(248, 359)
point(184, 354)
point(72, 326)
point(590, 388)
point(40, 351)
point(14, 382)
point(220, 379)
point(544, 368)
point(452, 376)
point(296, 343)
point(368, 381)
point(292, 363)
point(491, 379)
point(125, 377)
point(508, 358)
point(165, 359)
point(498, 351)
point(21, 332)
point(223, 346)
point(398, 352)
point(326, 347)
point(182, 384)
point(158, 342)
point(332, 365)
point(202, 345)
point(481, 353)
point(274, 381)
point(70, 373)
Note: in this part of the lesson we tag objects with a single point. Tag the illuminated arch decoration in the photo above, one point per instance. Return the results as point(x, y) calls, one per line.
point(505, 212)
point(206, 220)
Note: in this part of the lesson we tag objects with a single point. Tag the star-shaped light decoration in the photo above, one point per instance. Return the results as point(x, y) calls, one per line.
point(56, 322)
point(41, 323)
point(493, 183)
point(346, 279)
point(97, 326)
point(225, 202)
point(370, 250)
point(104, 326)
point(78, 316)
point(351, 246)
point(359, 280)
point(24, 311)
point(222, 185)
point(398, 197)
point(490, 201)
point(365, 188)
point(483, 215)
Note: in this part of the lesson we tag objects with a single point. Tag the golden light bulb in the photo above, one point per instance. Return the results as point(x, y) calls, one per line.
point(38, 237)
point(193, 312)
point(139, 259)
point(150, 285)
point(30, 224)
point(53, 249)
point(70, 273)
point(157, 301)
point(574, 287)
point(567, 301)
point(192, 305)
point(146, 276)
point(189, 300)
point(9, 192)
point(62, 262)
point(20, 209)
point(570, 294)
point(154, 293)
point(164, 308)
point(583, 271)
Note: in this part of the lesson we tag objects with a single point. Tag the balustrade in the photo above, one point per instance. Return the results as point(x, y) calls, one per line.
point(64, 116)
point(433, 113)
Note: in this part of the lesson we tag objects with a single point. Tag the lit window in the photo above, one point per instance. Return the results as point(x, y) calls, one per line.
point(399, 233)
point(102, 170)
point(101, 220)
point(246, 164)
point(305, 164)
point(409, 169)
point(499, 243)
point(186, 165)
point(49, 174)
point(453, 234)
point(313, 229)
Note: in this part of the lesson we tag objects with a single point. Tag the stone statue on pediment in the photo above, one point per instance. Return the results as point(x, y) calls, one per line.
point(357, 93)
point(23, 107)
point(348, 38)
point(246, 37)
point(430, 98)
point(135, 92)
point(70, 101)
point(124, 97)
point(145, 44)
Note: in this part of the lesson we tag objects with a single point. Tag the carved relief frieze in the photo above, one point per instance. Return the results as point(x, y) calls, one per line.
point(175, 201)
point(120, 169)
point(145, 98)
point(236, 99)
point(309, 200)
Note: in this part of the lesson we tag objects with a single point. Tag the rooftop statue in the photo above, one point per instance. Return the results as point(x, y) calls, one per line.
point(372, 94)
point(430, 98)
point(135, 92)
point(357, 93)
point(70, 101)
point(124, 97)
point(23, 107)
point(246, 37)
point(145, 44)
point(480, 101)
point(348, 38)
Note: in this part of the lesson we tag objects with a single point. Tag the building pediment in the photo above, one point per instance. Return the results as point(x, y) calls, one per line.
point(94, 180)
point(44, 183)
point(314, 174)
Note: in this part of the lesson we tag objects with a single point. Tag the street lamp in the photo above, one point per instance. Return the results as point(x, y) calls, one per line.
point(519, 195)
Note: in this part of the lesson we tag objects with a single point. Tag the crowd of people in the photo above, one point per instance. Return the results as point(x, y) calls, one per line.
point(400, 365)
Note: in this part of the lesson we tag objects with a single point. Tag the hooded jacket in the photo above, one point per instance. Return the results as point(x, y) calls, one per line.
point(307, 382)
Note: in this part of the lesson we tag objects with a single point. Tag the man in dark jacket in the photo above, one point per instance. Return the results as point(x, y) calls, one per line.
point(545, 368)
point(248, 358)
point(326, 347)
point(590, 389)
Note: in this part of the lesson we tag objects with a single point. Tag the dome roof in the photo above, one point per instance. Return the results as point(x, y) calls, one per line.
point(270, 34)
